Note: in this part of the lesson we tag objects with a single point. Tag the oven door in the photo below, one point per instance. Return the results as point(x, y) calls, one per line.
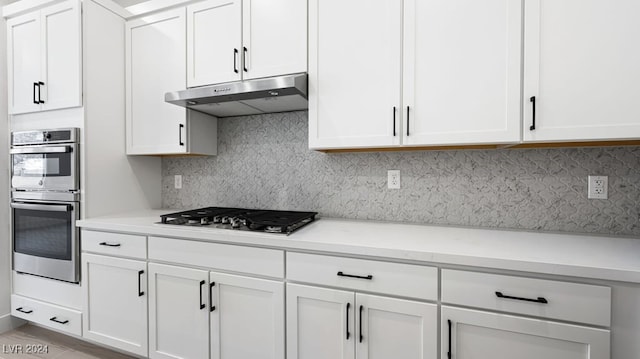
point(45, 239)
point(51, 168)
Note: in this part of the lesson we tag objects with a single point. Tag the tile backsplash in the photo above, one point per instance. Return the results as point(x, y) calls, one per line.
point(264, 161)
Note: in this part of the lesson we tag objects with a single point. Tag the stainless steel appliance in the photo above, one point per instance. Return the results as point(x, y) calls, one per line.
point(260, 220)
point(45, 203)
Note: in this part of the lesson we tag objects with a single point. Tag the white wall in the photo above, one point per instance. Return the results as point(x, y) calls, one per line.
point(5, 269)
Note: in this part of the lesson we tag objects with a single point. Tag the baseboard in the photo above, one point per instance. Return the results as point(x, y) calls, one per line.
point(7, 323)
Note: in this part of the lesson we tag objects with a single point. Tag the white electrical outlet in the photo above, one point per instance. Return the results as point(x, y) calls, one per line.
point(393, 179)
point(177, 181)
point(598, 187)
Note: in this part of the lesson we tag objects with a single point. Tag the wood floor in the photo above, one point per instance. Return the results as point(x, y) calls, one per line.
point(31, 342)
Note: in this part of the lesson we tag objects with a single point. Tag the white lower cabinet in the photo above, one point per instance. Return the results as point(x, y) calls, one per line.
point(115, 302)
point(199, 314)
point(329, 323)
point(470, 334)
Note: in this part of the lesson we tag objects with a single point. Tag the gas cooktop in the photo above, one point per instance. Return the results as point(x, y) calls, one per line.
point(259, 220)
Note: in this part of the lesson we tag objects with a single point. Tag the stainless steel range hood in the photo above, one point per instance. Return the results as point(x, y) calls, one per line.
point(252, 97)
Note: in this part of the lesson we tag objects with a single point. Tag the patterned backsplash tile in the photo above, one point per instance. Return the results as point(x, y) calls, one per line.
point(264, 161)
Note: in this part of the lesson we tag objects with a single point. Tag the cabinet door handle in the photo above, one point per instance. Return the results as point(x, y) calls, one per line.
point(213, 307)
point(394, 121)
point(361, 308)
point(533, 112)
point(200, 294)
point(541, 300)
point(21, 310)
point(35, 89)
point(348, 334)
point(140, 292)
point(235, 60)
point(368, 277)
point(244, 59)
point(40, 84)
point(407, 120)
point(180, 127)
point(55, 319)
point(449, 352)
point(109, 244)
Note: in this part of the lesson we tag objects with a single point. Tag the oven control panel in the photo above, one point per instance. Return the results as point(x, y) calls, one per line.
point(63, 135)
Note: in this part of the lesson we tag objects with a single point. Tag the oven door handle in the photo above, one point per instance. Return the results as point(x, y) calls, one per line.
point(56, 149)
point(43, 207)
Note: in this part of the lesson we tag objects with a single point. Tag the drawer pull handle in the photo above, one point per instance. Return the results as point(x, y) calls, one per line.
point(140, 292)
point(538, 300)
point(21, 310)
point(449, 352)
point(341, 274)
point(201, 304)
point(55, 319)
point(109, 244)
point(212, 307)
point(361, 337)
point(348, 334)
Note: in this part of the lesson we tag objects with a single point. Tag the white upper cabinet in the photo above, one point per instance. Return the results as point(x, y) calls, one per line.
point(424, 73)
point(461, 82)
point(231, 40)
point(156, 64)
point(274, 36)
point(581, 66)
point(214, 42)
point(44, 59)
point(354, 73)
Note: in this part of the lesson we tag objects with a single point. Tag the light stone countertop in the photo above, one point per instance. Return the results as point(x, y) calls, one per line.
point(608, 258)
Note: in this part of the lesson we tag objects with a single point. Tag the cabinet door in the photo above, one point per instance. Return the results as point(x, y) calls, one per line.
point(582, 68)
point(214, 42)
point(274, 37)
point(476, 334)
point(354, 73)
point(156, 64)
point(247, 318)
point(320, 323)
point(61, 85)
point(462, 69)
point(23, 60)
point(115, 302)
point(178, 312)
point(395, 328)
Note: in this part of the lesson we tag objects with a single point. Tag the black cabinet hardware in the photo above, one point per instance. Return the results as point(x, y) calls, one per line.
point(109, 244)
point(541, 300)
point(407, 120)
point(361, 308)
point(35, 88)
point(235, 60)
point(533, 112)
point(21, 310)
point(55, 319)
point(449, 352)
point(394, 121)
point(40, 84)
point(180, 127)
point(140, 292)
point(213, 307)
point(200, 293)
point(348, 334)
point(244, 59)
point(341, 274)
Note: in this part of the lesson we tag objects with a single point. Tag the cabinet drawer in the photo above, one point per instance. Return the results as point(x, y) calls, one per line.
point(397, 279)
point(49, 315)
point(216, 256)
point(123, 245)
point(537, 297)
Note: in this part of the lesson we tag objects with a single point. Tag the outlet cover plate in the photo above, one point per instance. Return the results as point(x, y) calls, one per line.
point(177, 181)
point(393, 179)
point(598, 187)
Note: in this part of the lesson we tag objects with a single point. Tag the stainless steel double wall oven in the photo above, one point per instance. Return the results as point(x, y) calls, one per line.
point(45, 203)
